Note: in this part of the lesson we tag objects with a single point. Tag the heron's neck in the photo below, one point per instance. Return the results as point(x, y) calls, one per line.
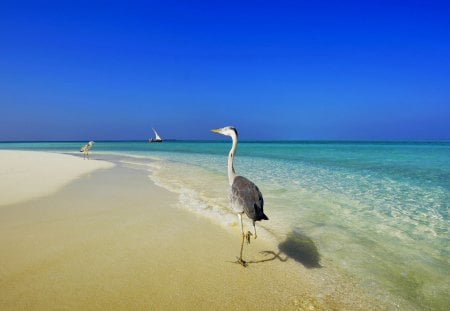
point(231, 172)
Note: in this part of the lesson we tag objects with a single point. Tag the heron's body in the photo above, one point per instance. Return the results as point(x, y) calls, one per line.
point(86, 148)
point(245, 196)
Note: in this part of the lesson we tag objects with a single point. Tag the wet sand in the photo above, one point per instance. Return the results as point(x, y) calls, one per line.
point(113, 240)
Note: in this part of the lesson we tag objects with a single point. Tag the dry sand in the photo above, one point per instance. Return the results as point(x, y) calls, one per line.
point(26, 175)
point(115, 241)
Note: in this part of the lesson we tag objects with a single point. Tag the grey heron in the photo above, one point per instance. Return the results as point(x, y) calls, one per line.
point(86, 148)
point(245, 196)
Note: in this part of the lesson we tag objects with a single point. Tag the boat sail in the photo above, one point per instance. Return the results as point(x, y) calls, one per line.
point(157, 138)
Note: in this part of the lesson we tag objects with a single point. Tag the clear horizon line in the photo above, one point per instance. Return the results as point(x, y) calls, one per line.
point(241, 140)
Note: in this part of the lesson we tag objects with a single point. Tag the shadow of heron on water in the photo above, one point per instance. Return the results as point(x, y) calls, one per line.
point(297, 246)
point(302, 249)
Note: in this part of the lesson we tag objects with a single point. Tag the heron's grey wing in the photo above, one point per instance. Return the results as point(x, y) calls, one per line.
point(246, 195)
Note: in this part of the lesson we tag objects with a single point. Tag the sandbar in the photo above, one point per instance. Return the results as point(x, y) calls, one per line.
point(25, 175)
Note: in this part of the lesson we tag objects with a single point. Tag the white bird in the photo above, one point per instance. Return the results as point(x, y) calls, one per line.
point(86, 148)
point(245, 196)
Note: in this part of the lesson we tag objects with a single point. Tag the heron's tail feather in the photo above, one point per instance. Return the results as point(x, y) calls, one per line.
point(264, 216)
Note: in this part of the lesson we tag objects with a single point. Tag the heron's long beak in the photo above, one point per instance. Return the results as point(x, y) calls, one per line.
point(216, 130)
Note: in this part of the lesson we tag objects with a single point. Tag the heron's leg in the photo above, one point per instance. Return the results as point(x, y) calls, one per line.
point(242, 248)
point(242, 225)
point(240, 260)
point(254, 228)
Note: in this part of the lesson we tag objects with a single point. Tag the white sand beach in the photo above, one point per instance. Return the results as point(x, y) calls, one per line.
point(26, 175)
point(112, 240)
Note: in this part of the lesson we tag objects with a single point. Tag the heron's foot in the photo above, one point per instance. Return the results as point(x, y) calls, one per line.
point(241, 261)
point(248, 236)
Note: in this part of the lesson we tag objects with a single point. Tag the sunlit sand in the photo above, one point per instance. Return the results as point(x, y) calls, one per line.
point(27, 175)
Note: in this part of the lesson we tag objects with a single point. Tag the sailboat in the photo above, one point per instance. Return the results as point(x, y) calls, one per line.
point(157, 138)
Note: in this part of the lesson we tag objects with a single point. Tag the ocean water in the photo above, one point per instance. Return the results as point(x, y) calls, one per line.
point(378, 212)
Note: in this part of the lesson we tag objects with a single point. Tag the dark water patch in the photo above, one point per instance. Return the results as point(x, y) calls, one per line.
point(301, 248)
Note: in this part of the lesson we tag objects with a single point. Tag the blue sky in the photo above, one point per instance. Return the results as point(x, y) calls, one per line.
point(275, 70)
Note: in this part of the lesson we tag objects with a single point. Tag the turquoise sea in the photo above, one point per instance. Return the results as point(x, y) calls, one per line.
point(377, 212)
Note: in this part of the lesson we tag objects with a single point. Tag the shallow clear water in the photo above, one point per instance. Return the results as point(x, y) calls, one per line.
point(378, 211)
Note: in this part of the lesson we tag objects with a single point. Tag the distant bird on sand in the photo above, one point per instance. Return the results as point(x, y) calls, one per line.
point(245, 196)
point(86, 148)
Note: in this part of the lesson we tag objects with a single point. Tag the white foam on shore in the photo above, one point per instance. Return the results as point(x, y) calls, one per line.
point(199, 191)
point(27, 175)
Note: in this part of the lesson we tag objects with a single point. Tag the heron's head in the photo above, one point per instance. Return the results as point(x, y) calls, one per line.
point(227, 130)
point(91, 143)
